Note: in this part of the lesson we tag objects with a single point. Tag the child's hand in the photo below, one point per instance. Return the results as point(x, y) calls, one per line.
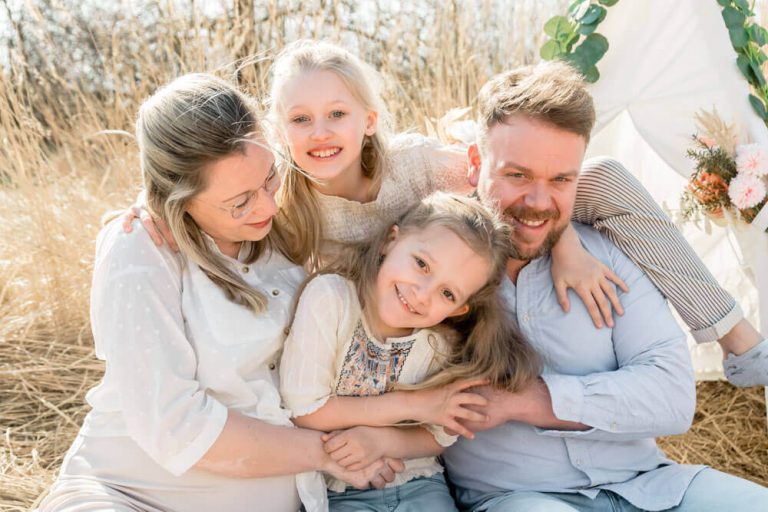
point(573, 267)
point(156, 228)
point(447, 404)
point(378, 474)
point(355, 448)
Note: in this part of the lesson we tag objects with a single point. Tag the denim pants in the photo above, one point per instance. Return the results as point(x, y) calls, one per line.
point(710, 491)
point(417, 495)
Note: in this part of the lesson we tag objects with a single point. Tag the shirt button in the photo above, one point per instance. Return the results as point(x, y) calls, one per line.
point(526, 318)
point(287, 331)
point(613, 425)
point(578, 462)
point(245, 270)
point(272, 366)
point(275, 292)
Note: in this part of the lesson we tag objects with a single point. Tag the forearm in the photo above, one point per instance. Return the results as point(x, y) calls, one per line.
point(250, 448)
point(341, 412)
point(615, 202)
point(533, 406)
point(409, 443)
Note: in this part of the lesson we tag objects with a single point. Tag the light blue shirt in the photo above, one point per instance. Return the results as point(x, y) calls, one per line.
point(630, 383)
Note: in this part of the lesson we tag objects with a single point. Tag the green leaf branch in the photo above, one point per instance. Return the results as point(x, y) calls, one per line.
point(748, 38)
point(573, 39)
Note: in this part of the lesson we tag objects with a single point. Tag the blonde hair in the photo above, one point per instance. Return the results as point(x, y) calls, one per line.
point(487, 342)
point(553, 92)
point(296, 196)
point(181, 129)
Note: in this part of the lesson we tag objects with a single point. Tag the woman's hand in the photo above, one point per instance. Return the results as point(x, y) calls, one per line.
point(378, 474)
point(446, 405)
point(357, 447)
point(573, 267)
point(155, 227)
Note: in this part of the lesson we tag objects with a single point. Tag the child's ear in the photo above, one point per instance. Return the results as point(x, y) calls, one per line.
point(394, 231)
point(371, 122)
point(473, 173)
point(463, 310)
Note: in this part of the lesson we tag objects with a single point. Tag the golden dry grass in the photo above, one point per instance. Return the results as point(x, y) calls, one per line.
point(74, 71)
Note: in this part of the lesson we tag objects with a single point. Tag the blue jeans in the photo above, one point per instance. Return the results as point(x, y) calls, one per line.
point(710, 491)
point(417, 495)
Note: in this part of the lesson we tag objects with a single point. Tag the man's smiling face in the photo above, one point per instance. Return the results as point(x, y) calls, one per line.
point(529, 170)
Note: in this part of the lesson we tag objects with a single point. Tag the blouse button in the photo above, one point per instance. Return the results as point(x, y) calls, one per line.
point(245, 270)
point(287, 331)
point(272, 366)
point(275, 292)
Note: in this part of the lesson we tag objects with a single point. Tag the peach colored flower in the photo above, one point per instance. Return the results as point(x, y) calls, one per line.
point(708, 188)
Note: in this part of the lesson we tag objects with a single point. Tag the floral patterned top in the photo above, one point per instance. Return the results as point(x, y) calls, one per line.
point(331, 351)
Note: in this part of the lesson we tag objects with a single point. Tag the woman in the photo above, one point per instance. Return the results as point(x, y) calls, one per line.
point(188, 415)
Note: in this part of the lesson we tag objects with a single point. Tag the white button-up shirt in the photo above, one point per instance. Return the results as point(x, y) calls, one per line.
point(179, 354)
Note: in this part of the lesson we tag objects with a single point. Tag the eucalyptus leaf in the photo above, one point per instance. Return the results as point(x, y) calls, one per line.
point(608, 3)
point(592, 15)
point(745, 66)
point(550, 50)
point(757, 34)
point(758, 74)
point(724, 2)
point(585, 30)
point(739, 37)
point(743, 5)
point(593, 47)
point(733, 18)
point(591, 74)
point(760, 56)
point(557, 25)
point(578, 9)
point(758, 106)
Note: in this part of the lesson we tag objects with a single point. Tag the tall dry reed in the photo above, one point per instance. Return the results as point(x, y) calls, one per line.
point(73, 76)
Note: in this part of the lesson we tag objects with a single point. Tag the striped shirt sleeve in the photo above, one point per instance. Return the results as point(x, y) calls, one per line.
point(614, 202)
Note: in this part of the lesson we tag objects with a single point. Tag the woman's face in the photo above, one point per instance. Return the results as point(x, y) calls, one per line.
point(238, 202)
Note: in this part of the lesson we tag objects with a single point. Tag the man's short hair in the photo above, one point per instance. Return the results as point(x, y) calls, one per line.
point(552, 92)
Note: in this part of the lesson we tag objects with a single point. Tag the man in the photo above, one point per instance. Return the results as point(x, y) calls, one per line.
point(582, 436)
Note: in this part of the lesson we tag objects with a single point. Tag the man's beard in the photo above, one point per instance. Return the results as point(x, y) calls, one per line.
point(520, 212)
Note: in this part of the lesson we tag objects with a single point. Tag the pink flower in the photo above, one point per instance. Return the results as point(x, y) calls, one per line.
point(707, 141)
point(752, 159)
point(746, 190)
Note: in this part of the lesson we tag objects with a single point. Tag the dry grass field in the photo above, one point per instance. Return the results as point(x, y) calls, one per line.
point(72, 77)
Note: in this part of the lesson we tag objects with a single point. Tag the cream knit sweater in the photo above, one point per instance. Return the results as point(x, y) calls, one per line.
point(415, 167)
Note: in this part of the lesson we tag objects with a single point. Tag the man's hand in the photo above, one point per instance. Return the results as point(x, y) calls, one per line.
point(531, 404)
point(450, 405)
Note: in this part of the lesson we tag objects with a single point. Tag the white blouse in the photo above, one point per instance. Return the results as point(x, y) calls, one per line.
point(178, 355)
point(330, 351)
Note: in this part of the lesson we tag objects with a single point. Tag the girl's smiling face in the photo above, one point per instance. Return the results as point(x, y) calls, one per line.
point(427, 275)
point(324, 125)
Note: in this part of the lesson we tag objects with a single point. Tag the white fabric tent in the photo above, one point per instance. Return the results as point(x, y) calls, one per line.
point(666, 61)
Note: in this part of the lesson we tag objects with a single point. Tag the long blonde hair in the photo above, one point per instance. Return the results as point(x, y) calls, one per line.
point(296, 196)
point(487, 343)
point(181, 129)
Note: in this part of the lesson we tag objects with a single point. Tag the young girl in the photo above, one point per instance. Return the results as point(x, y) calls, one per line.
point(366, 325)
point(348, 179)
